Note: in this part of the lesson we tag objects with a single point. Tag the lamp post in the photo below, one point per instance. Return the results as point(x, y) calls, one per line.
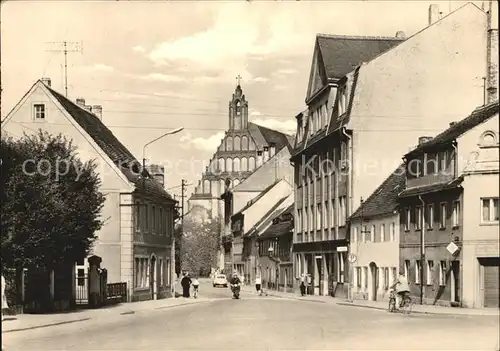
point(144, 175)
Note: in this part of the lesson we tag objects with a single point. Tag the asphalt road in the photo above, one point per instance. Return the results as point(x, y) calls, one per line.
point(264, 323)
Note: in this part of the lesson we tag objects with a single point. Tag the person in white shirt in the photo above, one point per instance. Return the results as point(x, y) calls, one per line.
point(258, 285)
point(402, 288)
point(196, 284)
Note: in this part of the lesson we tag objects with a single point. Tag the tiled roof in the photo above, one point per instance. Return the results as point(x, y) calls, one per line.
point(280, 228)
point(113, 148)
point(431, 188)
point(384, 199)
point(264, 136)
point(341, 54)
point(478, 116)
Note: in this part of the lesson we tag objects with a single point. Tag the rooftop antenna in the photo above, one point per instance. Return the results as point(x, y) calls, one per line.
point(65, 47)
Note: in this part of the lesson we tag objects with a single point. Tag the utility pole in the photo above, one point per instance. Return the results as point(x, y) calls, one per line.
point(67, 46)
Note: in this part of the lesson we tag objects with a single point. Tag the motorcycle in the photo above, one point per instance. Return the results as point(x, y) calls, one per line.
point(235, 288)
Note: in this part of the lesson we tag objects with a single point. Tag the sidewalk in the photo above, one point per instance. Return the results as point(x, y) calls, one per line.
point(381, 305)
point(34, 321)
point(424, 309)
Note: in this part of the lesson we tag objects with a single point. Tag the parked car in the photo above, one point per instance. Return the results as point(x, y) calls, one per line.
point(220, 280)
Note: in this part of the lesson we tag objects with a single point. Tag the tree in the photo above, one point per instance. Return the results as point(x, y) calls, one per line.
point(201, 242)
point(51, 204)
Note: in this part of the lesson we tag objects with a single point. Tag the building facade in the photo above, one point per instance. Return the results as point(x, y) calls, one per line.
point(422, 75)
point(322, 194)
point(246, 222)
point(135, 240)
point(374, 231)
point(274, 250)
point(442, 252)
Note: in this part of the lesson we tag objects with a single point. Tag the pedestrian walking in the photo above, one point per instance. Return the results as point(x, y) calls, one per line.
point(186, 285)
point(303, 285)
point(258, 285)
point(196, 285)
point(5, 304)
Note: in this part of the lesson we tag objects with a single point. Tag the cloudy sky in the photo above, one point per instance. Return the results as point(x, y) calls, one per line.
point(160, 65)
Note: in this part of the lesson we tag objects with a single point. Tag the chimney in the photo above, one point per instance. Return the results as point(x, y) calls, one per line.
point(97, 110)
point(266, 153)
point(259, 159)
point(423, 139)
point(80, 102)
point(272, 149)
point(400, 34)
point(492, 53)
point(452, 123)
point(46, 81)
point(434, 13)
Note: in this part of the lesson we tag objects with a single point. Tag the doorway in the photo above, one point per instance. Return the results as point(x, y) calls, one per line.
point(152, 281)
point(374, 281)
point(455, 281)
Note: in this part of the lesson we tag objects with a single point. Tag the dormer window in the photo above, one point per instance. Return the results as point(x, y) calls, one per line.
point(342, 100)
point(39, 111)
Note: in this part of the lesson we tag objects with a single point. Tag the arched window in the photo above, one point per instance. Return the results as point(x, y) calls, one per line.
point(206, 186)
point(229, 144)
point(251, 145)
point(229, 164)
point(213, 166)
point(222, 186)
point(244, 164)
point(236, 164)
point(222, 165)
point(237, 143)
point(488, 138)
point(244, 143)
point(214, 188)
point(251, 163)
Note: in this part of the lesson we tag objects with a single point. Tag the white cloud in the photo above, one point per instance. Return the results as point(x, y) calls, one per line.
point(138, 48)
point(285, 71)
point(205, 144)
point(163, 77)
point(260, 79)
point(234, 39)
point(288, 126)
point(101, 67)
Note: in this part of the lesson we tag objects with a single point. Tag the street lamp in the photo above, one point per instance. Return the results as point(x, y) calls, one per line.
point(144, 174)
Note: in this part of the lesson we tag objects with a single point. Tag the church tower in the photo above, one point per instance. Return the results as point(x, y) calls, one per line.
point(238, 110)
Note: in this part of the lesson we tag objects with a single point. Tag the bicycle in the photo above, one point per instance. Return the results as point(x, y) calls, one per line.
point(405, 305)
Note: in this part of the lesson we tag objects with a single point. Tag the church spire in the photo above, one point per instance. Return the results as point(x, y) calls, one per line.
point(238, 108)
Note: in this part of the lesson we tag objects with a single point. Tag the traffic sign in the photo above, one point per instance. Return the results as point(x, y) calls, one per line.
point(352, 258)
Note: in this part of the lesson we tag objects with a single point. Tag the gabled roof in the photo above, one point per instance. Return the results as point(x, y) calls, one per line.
point(111, 146)
point(384, 200)
point(341, 54)
point(258, 197)
point(478, 116)
point(264, 136)
point(280, 228)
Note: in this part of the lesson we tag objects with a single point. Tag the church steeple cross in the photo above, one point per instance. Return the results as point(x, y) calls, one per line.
point(238, 78)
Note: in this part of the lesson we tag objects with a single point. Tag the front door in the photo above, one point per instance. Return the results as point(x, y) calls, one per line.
point(455, 281)
point(152, 280)
point(374, 281)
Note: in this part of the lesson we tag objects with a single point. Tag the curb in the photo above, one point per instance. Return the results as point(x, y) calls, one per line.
point(413, 311)
point(46, 325)
point(184, 304)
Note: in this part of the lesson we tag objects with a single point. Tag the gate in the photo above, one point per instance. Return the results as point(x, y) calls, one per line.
point(82, 288)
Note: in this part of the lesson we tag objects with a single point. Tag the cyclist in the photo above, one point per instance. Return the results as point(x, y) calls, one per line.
point(402, 288)
point(196, 285)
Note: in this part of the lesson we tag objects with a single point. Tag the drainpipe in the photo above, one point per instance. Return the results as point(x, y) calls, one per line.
point(455, 162)
point(350, 187)
point(422, 251)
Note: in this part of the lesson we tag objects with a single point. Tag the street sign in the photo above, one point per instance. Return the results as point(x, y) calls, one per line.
point(452, 248)
point(342, 249)
point(352, 258)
